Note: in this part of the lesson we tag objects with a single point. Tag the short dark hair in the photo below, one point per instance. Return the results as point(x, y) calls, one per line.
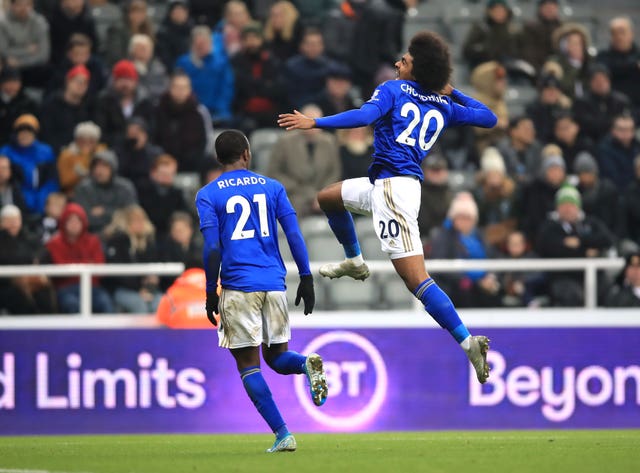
point(431, 60)
point(515, 121)
point(230, 145)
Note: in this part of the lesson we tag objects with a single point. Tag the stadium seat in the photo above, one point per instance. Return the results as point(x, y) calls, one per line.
point(262, 140)
point(347, 294)
point(324, 247)
point(370, 246)
point(189, 183)
point(395, 294)
point(314, 225)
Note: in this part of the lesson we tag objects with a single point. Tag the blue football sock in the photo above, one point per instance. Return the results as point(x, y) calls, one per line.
point(440, 307)
point(259, 392)
point(342, 225)
point(288, 362)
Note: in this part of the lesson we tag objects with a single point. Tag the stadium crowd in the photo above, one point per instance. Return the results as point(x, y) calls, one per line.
point(109, 109)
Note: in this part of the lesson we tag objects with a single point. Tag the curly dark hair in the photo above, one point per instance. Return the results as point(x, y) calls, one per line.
point(431, 60)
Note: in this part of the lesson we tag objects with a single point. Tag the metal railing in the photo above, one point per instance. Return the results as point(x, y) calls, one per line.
point(590, 267)
point(87, 271)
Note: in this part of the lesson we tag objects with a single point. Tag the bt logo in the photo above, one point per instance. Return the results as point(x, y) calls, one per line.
point(357, 379)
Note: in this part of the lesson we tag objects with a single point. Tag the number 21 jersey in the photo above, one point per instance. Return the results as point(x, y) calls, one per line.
point(245, 207)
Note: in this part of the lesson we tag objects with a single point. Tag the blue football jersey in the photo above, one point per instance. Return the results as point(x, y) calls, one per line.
point(411, 122)
point(245, 207)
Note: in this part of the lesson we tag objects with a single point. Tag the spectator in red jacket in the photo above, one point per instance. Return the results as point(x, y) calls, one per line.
point(74, 244)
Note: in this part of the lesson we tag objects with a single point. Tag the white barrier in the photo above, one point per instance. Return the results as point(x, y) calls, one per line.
point(87, 271)
point(589, 266)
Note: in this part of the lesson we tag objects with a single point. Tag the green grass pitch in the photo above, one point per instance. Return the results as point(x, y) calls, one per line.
point(562, 451)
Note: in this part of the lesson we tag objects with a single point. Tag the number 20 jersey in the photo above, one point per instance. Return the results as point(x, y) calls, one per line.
point(411, 122)
point(245, 207)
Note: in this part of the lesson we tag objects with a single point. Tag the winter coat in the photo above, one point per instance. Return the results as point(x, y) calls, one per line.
point(180, 131)
point(305, 79)
point(86, 249)
point(616, 161)
point(118, 249)
point(58, 120)
point(534, 202)
point(10, 111)
point(574, 81)
point(35, 169)
point(537, 44)
point(62, 27)
point(135, 164)
point(489, 41)
point(603, 201)
point(544, 116)
point(622, 296)
point(13, 195)
point(173, 41)
point(482, 79)
point(632, 210)
point(212, 81)
point(96, 69)
point(153, 78)
point(520, 164)
point(595, 113)
point(73, 166)
point(435, 201)
point(624, 70)
point(111, 120)
point(17, 38)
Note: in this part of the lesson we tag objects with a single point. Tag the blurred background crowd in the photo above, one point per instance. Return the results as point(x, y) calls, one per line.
point(109, 111)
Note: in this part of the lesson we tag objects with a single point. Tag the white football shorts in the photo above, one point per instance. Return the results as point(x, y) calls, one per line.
point(393, 204)
point(249, 319)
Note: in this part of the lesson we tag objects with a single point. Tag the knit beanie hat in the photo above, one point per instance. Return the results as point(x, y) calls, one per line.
point(569, 195)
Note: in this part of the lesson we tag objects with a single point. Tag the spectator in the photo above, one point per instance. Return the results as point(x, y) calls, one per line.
point(21, 294)
point(566, 134)
point(519, 288)
point(137, 153)
point(69, 17)
point(536, 199)
point(490, 81)
point(120, 102)
point(226, 34)
point(495, 197)
point(335, 97)
point(78, 53)
point(356, 148)
point(105, 15)
point(211, 75)
point(306, 73)
point(174, 33)
point(596, 110)
point(151, 72)
point(632, 204)
point(520, 149)
point(617, 151)
point(24, 41)
point(103, 191)
point(339, 29)
point(134, 242)
point(496, 37)
point(622, 58)
point(550, 104)
point(568, 233)
point(305, 162)
point(283, 30)
point(33, 162)
point(313, 11)
point(572, 44)
point(159, 196)
point(56, 202)
point(259, 89)
point(74, 159)
point(436, 195)
point(600, 198)
point(10, 192)
point(458, 238)
point(206, 12)
point(135, 21)
point(182, 244)
point(62, 111)
point(13, 101)
point(180, 127)
point(74, 244)
point(537, 44)
point(626, 290)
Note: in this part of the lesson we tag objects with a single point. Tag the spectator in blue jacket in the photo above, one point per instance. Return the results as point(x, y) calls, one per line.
point(33, 161)
point(617, 151)
point(211, 75)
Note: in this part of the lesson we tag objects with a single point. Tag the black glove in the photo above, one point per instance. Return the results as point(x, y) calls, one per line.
point(212, 306)
point(306, 293)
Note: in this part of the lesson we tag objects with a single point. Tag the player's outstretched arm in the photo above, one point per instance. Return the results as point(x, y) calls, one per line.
point(356, 118)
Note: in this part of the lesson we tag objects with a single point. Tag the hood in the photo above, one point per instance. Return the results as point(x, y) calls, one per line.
point(73, 209)
point(484, 76)
point(569, 28)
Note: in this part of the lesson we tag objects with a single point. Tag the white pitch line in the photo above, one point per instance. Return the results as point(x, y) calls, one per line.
point(16, 470)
